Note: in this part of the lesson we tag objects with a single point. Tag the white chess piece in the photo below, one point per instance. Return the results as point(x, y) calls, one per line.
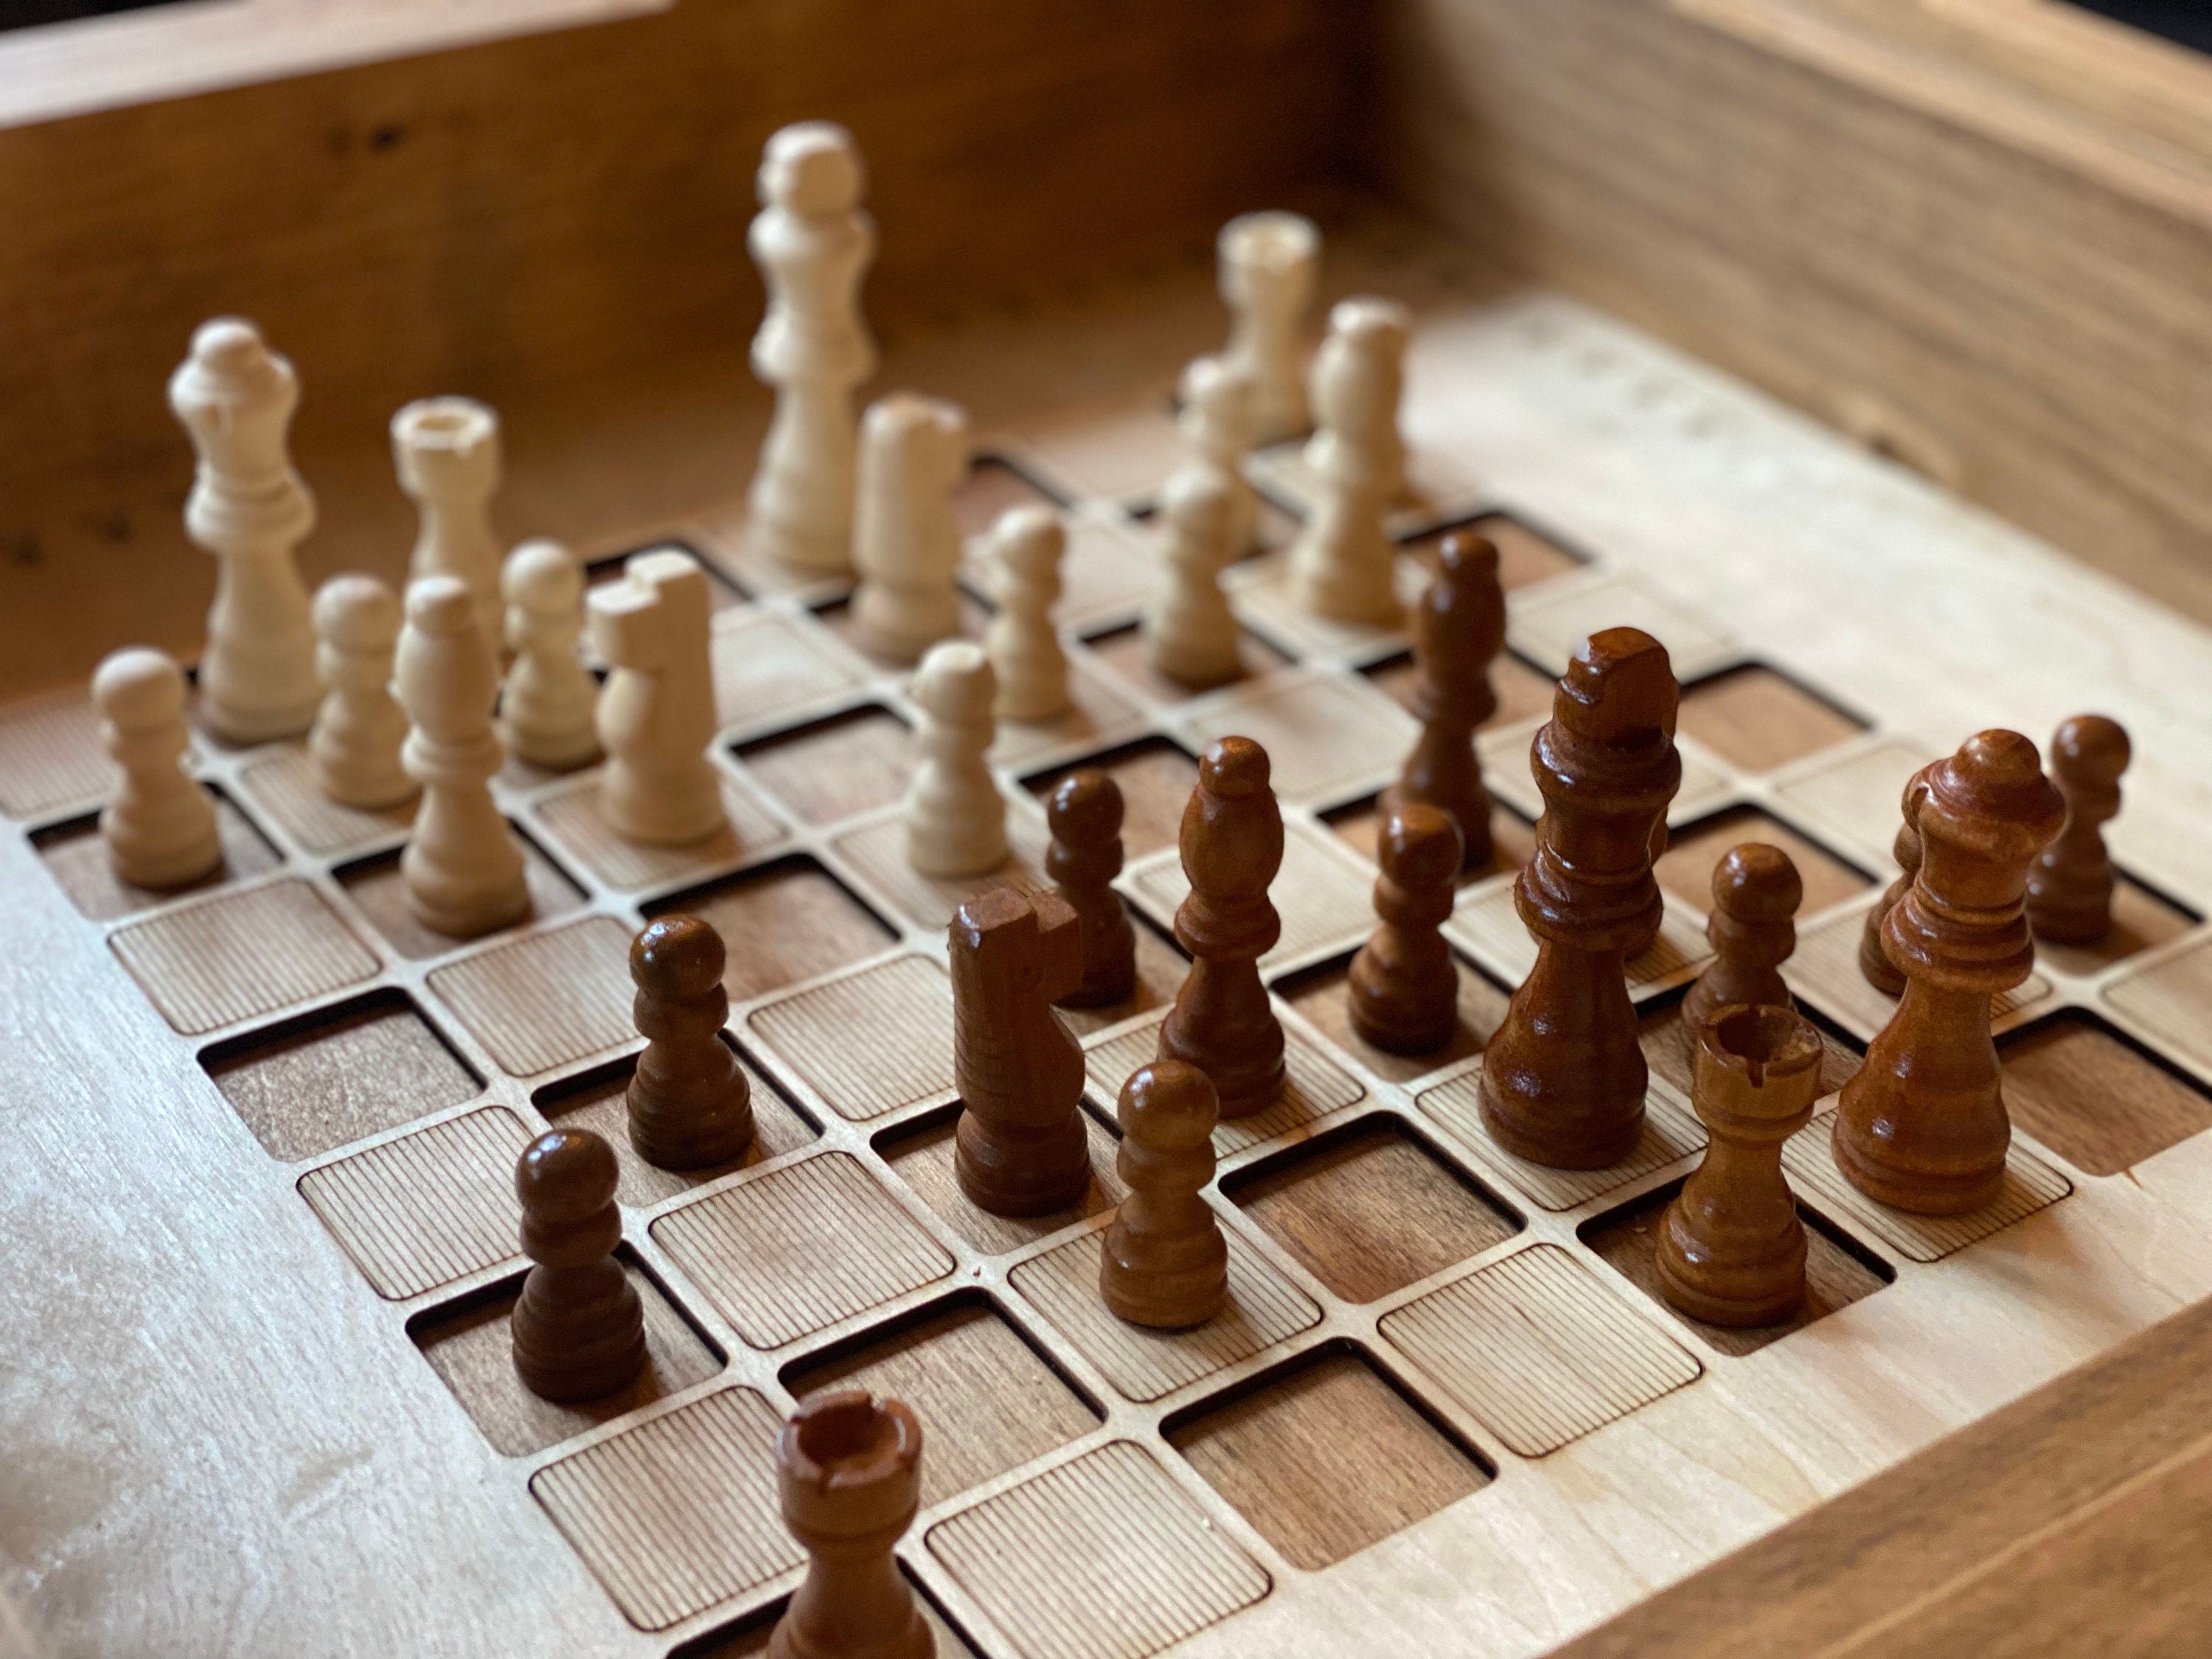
point(656, 712)
point(159, 829)
point(463, 868)
point(1189, 632)
point(1025, 549)
point(354, 747)
point(1216, 419)
point(249, 508)
point(1268, 263)
point(547, 706)
point(1343, 563)
point(446, 451)
point(812, 242)
point(956, 818)
point(906, 540)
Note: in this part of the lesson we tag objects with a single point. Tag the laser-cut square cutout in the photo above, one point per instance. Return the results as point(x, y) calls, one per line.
point(921, 1155)
point(338, 1075)
point(573, 819)
point(1314, 1087)
point(215, 961)
point(851, 763)
point(2094, 1098)
point(992, 486)
point(1324, 735)
point(1326, 1458)
point(868, 1041)
point(75, 854)
point(749, 1637)
point(769, 667)
point(1525, 556)
point(1759, 720)
point(1323, 995)
point(377, 886)
point(1122, 650)
point(1156, 780)
point(781, 924)
point(51, 756)
point(1686, 869)
point(2140, 918)
point(1100, 712)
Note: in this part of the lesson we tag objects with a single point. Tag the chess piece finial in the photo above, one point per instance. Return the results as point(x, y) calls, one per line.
point(463, 868)
point(1217, 420)
point(1020, 1147)
point(160, 826)
point(1752, 930)
point(1232, 846)
point(1731, 1250)
point(690, 1104)
point(1875, 965)
point(1268, 266)
point(1343, 563)
point(1563, 1080)
point(656, 713)
point(2069, 889)
point(1458, 632)
point(353, 748)
point(1085, 815)
point(813, 242)
point(578, 1329)
point(849, 1472)
point(906, 541)
point(956, 818)
point(1921, 1124)
point(1189, 632)
point(1026, 545)
point(250, 509)
point(1404, 990)
point(548, 706)
point(447, 452)
point(1164, 1264)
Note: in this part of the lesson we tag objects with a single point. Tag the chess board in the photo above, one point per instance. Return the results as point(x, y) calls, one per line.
point(262, 1133)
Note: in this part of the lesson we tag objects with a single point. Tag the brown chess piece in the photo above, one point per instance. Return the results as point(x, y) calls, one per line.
point(1563, 1080)
point(578, 1329)
point(1921, 1124)
point(1020, 1147)
point(2069, 889)
point(1752, 930)
point(1731, 1250)
point(1458, 632)
point(1165, 1264)
point(690, 1103)
point(849, 1472)
point(1232, 845)
point(1404, 990)
point(1875, 965)
point(1084, 813)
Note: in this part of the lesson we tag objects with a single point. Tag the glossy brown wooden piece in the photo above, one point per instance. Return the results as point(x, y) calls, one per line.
point(1752, 930)
point(578, 1329)
point(1731, 1250)
point(1458, 632)
point(1563, 1080)
point(690, 1103)
point(1404, 988)
point(1922, 1125)
point(1020, 1148)
point(1165, 1264)
point(849, 1472)
point(1085, 814)
point(1874, 961)
point(1232, 846)
point(2069, 888)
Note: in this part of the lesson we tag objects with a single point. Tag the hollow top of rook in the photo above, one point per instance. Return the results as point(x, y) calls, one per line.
point(846, 1463)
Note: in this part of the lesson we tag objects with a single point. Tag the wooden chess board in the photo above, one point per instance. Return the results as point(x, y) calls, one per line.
point(262, 1134)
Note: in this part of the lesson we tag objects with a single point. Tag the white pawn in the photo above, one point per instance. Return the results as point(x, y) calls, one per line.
point(354, 749)
point(956, 818)
point(249, 508)
point(906, 540)
point(813, 241)
point(1026, 545)
point(656, 713)
point(446, 451)
point(547, 706)
point(1343, 563)
point(1268, 262)
point(463, 868)
point(1216, 418)
point(1189, 632)
point(159, 829)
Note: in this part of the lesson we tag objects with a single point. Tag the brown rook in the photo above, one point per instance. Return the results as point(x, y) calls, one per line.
point(1085, 814)
point(849, 1472)
point(690, 1103)
point(2069, 889)
point(1405, 990)
point(1458, 632)
point(1752, 930)
point(1165, 1264)
point(578, 1329)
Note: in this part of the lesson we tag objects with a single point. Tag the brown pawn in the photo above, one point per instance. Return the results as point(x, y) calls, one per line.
point(1731, 1249)
point(1921, 1123)
point(1875, 965)
point(1232, 845)
point(1019, 1148)
point(1405, 990)
point(690, 1103)
point(2069, 890)
point(849, 1472)
point(1563, 1080)
point(1458, 632)
point(1084, 813)
point(1752, 929)
point(578, 1329)
point(1165, 1265)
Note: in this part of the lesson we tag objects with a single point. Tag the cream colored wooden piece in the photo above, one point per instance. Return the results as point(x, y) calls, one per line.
point(161, 827)
point(1220, 420)
point(656, 712)
point(1025, 548)
point(548, 703)
point(1269, 262)
point(906, 541)
point(1190, 633)
point(354, 746)
point(955, 816)
point(447, 452)
point(1343, 565)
